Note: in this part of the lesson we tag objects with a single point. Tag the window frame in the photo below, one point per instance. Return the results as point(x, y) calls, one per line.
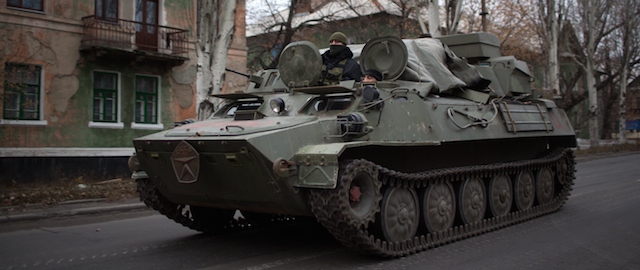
point(22, 6)
point(117, 124)
point(101, 16)
point(20, 120)
point(149, 125)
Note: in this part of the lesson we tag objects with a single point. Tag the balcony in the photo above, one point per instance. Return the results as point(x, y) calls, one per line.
point(138, 40)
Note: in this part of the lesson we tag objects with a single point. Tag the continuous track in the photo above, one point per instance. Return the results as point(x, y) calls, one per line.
point(359, 231)
point(333, 210)
point(201, 219)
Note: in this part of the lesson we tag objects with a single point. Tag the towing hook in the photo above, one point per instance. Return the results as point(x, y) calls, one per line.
point(284, 168)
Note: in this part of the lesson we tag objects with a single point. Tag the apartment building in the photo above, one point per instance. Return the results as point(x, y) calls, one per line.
point(82, 78)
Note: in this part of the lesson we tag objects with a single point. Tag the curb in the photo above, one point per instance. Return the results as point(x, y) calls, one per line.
point(604, 155)
point(71, 212)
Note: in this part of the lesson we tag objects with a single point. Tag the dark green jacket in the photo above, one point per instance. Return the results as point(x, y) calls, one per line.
point(339, 67)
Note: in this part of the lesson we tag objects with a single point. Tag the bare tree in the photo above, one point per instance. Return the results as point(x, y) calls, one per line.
point(281, 25)
point(594, 20)
point(550, 13)
point(215, 32)
point(277, 21)
point(418, 6)
point(433, 6)
point(627, 34)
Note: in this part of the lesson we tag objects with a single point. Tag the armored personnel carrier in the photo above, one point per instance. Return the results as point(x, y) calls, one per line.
point(456, 144)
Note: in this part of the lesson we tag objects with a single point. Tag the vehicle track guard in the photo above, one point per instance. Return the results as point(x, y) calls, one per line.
point(318, 166)
point(139, 175)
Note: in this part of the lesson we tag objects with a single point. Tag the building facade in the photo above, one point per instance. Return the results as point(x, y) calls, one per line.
point(316, 20)
point(82, 78)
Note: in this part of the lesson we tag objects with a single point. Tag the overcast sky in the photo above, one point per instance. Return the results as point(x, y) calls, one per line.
point(259, 8)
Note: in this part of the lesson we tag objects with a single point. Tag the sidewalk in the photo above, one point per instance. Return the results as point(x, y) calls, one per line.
point(68, 208)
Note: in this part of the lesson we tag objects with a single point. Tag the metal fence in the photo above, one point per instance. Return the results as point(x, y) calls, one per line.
point(131, 36)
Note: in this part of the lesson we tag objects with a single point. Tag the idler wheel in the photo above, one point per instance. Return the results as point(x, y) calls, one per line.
point(524, 190)
point(472, 201)
point(399, 214)
point(500, 195)
point(544, 185)
point(362, 190)
point(438, 207)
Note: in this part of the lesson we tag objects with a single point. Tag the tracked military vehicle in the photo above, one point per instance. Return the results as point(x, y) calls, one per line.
point(457, 144)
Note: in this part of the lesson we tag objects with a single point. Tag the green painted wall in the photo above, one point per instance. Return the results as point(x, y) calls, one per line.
point(52, 41)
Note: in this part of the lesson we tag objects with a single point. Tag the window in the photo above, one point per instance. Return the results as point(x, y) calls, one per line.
point(146, 100)
point(105, 97)
point(22, 92)
point(107, 10)
point(243, 106)
point(26, 4)
point(332, 103)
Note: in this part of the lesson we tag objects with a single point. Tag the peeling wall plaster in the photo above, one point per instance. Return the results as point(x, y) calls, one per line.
point(182, 79)
point(66, 60)
point(67, 85)
point(7, 42)
point(62, 89)
point(183, 94)
point(38, 50)
point(184, 75)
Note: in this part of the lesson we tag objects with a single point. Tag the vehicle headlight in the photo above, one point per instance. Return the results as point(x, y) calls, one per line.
point(134, 164)
point(277, 105)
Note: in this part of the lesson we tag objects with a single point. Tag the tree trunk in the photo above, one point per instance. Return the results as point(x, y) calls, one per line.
point(453, 16)
point(622, 118)
point(423, 28)
point(548, 13)
point(206, 32)
point(217, 23)
point(554, 70)
point(434, 18)
point(594, 135)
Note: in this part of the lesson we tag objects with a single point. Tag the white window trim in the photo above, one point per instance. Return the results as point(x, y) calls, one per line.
point(157, 126)
point(67, 152)
point(135, 125)
point(118, 124)
point(21, 122)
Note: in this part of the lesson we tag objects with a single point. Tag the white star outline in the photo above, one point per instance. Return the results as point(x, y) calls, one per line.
point(184, 172)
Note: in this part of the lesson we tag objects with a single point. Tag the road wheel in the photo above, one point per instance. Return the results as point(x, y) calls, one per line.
point(524, 190)
point(500, 195)
point(438, 207)
point(399, 214)
point(472, 201)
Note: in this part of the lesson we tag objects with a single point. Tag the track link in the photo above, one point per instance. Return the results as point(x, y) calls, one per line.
point(334, 214)
point(201, 219)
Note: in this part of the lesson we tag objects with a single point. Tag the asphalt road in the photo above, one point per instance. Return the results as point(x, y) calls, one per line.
point(598, 228)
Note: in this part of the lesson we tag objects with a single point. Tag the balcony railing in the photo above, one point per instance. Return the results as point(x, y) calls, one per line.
point(134, 36)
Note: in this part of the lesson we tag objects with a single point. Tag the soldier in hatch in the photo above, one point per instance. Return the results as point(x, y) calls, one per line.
point(369, 91)
point(371, 76)
point(337, 64)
